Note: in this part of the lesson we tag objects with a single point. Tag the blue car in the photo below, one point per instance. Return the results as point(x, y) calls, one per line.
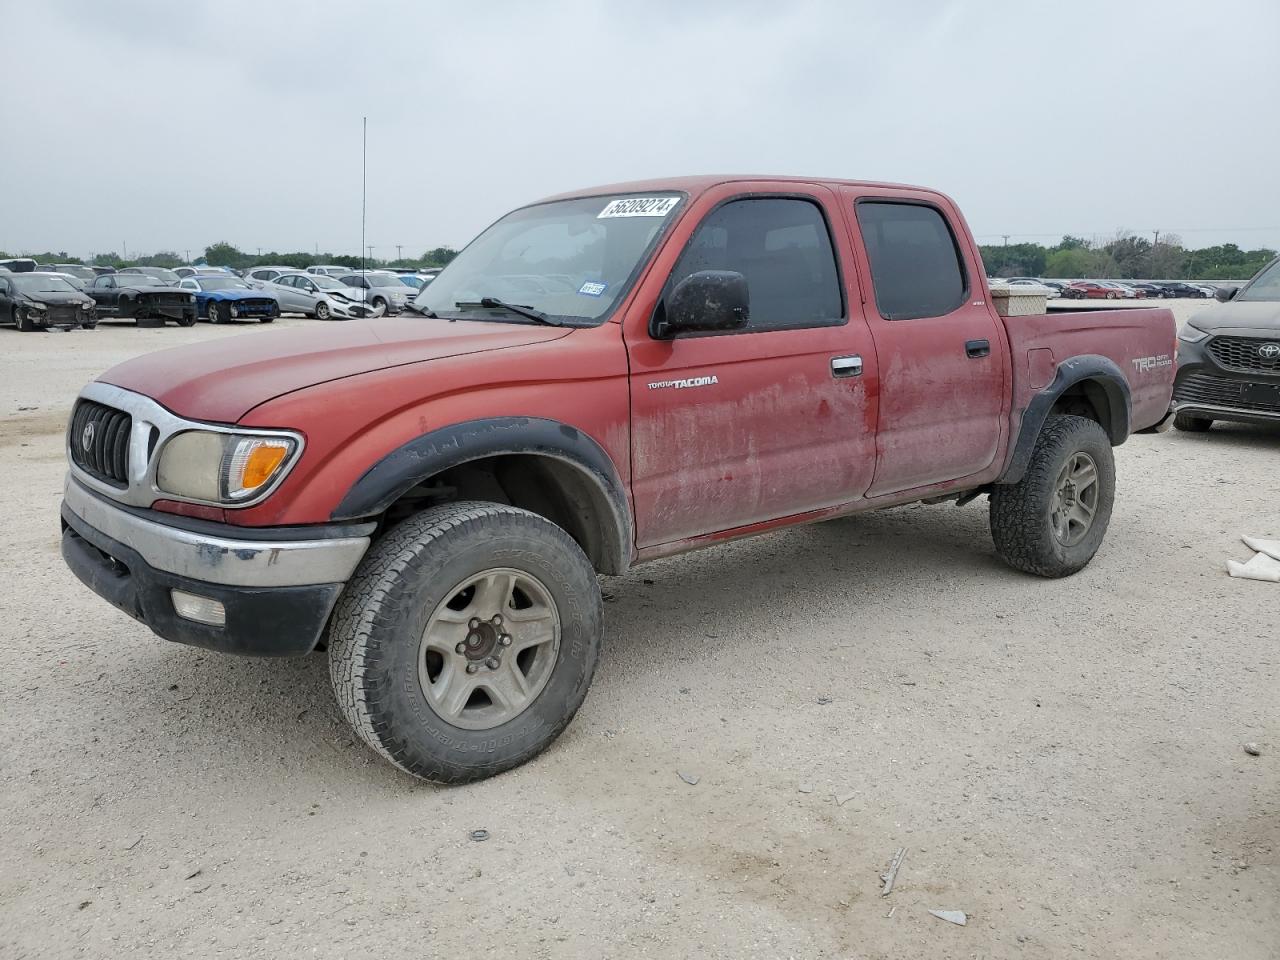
point(222, 299)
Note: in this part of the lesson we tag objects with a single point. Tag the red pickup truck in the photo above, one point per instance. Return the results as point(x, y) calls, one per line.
point(599, 379)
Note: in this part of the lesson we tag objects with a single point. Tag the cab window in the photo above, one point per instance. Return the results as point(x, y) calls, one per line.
point(782, 245)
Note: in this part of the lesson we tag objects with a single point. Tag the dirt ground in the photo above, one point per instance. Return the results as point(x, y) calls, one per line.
point(1062, 760)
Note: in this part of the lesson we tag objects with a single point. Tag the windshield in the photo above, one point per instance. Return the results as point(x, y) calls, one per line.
point(383, 279)
point(409, 280)
point(1265, 286)
point(220, 283)
point(41, 283)
point(325, 282)
point(571, 259)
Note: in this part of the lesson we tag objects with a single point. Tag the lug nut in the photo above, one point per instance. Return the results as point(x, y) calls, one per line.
point(493, 663)
point(473, 622)
point(472, 667)
point(497, 620)
point(505, 639)
point(460, 648)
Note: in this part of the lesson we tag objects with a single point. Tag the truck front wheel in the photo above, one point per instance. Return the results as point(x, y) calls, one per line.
point(1052, 521)
point(466, 640)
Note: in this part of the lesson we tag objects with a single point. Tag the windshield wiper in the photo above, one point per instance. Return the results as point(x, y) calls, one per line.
point(424, 311)
point(520, 309)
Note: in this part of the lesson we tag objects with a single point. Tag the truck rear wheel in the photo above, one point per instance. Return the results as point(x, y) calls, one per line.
point(466, 640)
point(1052, 521)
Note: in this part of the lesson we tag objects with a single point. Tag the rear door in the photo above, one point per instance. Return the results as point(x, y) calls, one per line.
point(943, 360)
point(735, 428)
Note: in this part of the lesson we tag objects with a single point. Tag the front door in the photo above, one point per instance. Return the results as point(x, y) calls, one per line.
point(944, 366)
point(735, 428)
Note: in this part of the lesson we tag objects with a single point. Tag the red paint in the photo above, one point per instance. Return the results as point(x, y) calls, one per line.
point(775, 440)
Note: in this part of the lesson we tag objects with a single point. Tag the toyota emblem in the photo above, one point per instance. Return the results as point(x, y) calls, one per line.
point(86, 436)
point(1269, 351)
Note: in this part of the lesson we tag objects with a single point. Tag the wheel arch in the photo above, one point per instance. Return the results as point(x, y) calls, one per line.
point(1089, 386)
point(547, 467)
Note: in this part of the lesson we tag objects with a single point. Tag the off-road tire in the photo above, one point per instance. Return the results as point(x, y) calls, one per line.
point(379, 620)
point(1190, 424)
point(1021, 523)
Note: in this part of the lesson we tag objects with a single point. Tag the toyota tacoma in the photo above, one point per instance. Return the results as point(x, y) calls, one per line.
point(600, 379)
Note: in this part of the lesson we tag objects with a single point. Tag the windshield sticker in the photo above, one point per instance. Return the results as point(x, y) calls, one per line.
point(592, 288)
point(639, 207)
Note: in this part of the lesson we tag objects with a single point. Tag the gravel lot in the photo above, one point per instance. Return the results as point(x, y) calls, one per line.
point(1062, 759)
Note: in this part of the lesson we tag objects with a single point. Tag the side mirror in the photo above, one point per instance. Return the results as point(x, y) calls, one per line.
point(1223, 294)
point(708, 300)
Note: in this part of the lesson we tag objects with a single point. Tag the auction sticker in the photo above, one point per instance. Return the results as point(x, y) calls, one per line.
point(639, 207)
point(593, 288)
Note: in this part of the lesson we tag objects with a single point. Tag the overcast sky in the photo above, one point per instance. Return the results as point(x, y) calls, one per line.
point(166, 125)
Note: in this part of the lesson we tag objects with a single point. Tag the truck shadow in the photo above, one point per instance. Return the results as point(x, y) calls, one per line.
point(655, 615)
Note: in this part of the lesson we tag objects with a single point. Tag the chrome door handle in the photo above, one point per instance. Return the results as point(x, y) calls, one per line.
point(846, 366)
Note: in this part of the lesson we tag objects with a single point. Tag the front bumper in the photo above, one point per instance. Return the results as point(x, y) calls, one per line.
point(277, 587)
point(1205, 387)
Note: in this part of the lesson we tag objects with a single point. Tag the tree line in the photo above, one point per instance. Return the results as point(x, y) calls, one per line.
point(226, 255)
point(1124, 257)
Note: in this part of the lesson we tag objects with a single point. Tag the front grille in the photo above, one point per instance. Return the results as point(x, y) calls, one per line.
point(257, 306)
point(106, 454)
point(1241, 353)
point(1221, 392)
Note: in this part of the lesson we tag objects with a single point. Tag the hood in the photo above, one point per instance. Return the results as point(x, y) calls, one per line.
point(1261, 315)
point(74, 298)
point(235, 293)
point(223, 380)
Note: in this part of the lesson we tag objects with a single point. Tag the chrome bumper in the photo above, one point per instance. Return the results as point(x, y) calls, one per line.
point(215, 559)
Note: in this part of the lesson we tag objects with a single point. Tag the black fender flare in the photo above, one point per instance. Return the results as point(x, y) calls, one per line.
point(1088, 368)
point(431, 453)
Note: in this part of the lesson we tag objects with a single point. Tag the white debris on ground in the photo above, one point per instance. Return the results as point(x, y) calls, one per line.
point(1264, 565)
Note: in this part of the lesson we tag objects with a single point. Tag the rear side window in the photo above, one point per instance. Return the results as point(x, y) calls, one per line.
point(915, 263)
point(783, 247)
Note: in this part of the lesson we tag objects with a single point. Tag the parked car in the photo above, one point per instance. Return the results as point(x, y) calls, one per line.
point(1058, 285)
point(1090, 290)
point(1052, 293)
point(19, 265)
point(318, 295)
point(1149, 290)
point(383, 291)
point(1127, 291)
point(266, 274)
point(102, 271)
point(203, 271)
point(329, 269)
point(1206, 289)
point(412, 281)
point(36, 301)
point(77, 270)
point(222, 299)
point(434, 499)
point(158, 274)
point(1179, 289)
point(148, 302)
point(1229, 357)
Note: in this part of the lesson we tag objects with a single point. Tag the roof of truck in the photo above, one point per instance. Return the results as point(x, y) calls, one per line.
point(697, 184)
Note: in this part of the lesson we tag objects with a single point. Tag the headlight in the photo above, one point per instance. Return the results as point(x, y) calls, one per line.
point(36, 308)
point(191, 298)
point(1189, 334)
point(235, 311)
point(223, 467)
